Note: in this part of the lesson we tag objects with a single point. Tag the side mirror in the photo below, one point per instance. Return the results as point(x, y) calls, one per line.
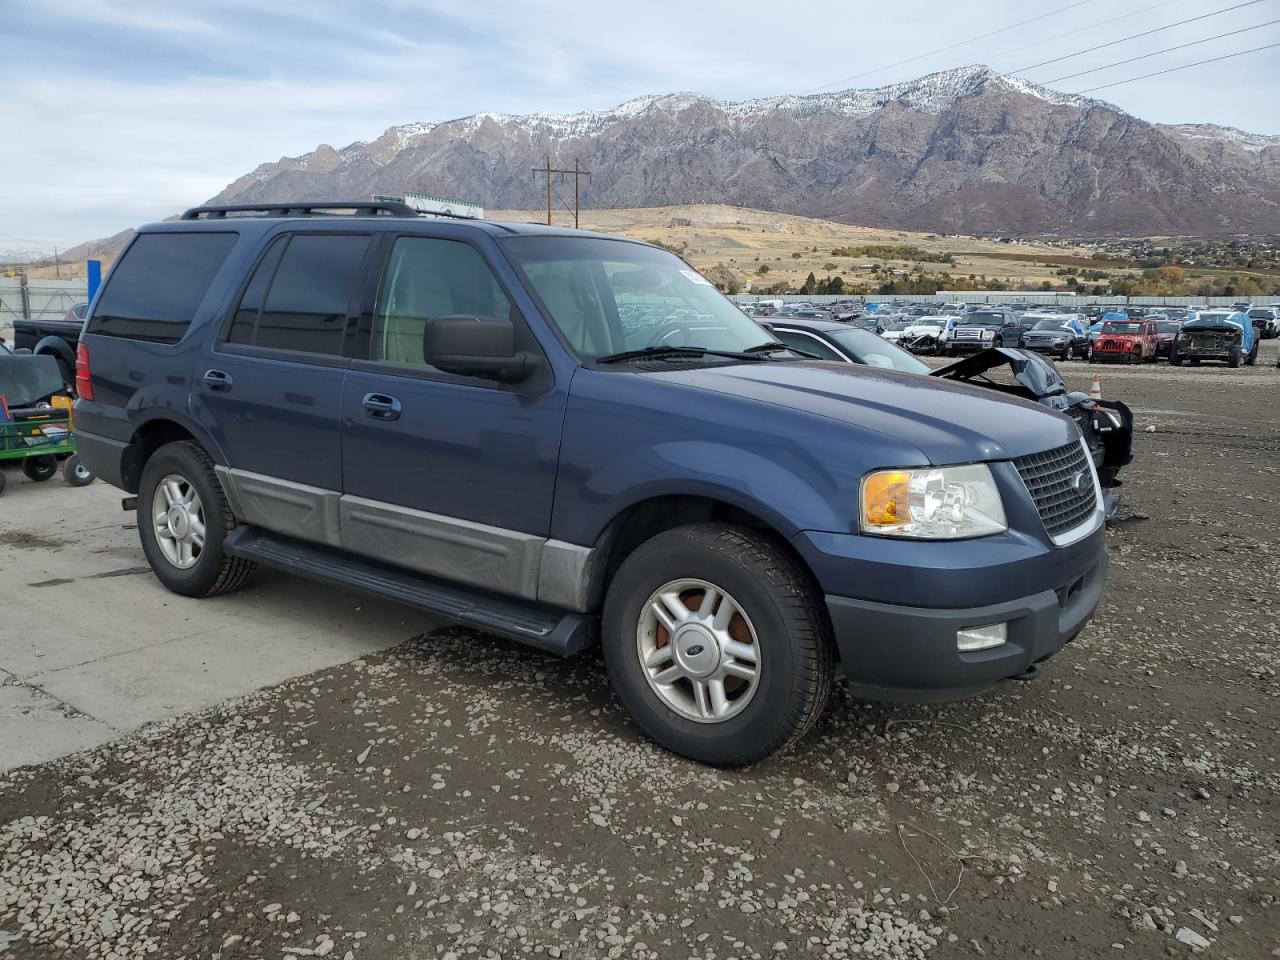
point(474, 346)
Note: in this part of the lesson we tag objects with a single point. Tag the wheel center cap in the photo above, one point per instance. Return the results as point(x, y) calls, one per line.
point(179, 521)
point(696, 650)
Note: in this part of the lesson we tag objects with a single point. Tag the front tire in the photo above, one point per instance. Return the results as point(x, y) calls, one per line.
point(685, 615)
point(183, 517)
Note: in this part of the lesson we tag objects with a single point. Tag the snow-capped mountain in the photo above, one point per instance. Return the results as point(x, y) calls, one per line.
point(967, 149)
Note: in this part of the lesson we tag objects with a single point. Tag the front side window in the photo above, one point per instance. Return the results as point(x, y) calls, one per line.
point(428, 278)
point(301, 293)
point(610, 296)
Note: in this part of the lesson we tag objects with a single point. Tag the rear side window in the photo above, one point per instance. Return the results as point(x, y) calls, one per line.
point(300, 294)
point(155, 289)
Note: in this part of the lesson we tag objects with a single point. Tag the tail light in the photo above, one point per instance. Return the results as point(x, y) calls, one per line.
point(84, 379)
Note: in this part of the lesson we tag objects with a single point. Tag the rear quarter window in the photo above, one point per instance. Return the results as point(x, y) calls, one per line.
point(153, 292)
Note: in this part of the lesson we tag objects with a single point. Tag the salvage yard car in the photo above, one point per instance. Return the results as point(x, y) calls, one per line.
point(1126, 341)
point(1216, 335)
point(1062, 337)
point(448, 413)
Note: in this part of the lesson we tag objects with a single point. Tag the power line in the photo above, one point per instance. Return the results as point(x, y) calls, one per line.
point(921, 56)
point(1185, 66)
point(38, 243)
point(1147, 56)
point(1072, 33)
point(1145, 33)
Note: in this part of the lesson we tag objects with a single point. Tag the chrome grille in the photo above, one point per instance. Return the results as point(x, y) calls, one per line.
point(1050, 479)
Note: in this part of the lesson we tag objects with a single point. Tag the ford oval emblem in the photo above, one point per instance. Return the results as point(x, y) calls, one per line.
point(694, 650)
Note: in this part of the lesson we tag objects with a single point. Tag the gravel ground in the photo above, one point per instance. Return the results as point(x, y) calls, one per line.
point(458, 796)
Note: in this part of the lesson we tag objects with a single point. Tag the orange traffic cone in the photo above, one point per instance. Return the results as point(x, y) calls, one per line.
point(1095, 388)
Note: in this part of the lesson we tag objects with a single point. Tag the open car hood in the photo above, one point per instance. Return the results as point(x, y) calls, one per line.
point(1032, 371)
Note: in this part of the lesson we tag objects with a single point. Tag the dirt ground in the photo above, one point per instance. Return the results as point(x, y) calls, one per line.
point(459, 796)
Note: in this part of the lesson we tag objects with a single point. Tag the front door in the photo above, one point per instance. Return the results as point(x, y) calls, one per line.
point(448, 475)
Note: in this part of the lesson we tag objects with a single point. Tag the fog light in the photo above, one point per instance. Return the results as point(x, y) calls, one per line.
point(981, 638)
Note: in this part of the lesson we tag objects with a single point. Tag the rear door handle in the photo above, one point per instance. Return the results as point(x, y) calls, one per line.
point(218, 380)
point(380, 406)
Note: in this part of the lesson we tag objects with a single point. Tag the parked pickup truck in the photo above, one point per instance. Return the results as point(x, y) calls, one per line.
point(55, 338)
point(452, 414)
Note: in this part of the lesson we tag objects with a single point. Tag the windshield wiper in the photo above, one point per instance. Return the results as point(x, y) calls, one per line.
point(773, 346)
point(671, 351)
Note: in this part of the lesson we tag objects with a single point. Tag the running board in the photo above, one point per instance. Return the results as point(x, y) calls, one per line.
point(554, 631)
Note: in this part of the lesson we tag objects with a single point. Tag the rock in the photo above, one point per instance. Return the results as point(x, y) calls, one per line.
point(1191, 938)
point(1180, 868)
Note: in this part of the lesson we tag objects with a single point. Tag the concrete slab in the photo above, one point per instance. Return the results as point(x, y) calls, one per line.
point(95, 643)
point(38, 727)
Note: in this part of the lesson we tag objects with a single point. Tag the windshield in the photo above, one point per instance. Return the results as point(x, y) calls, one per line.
point(901, 325)
point(608, 296)
point(865, 324)
point(1168, 326)
point(1118, 327)
point(1048, 325)
point(1261, 315)
point(874, 352)
point(984, 319)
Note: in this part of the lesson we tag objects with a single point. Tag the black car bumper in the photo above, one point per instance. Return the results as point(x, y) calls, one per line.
point(102, 455)
point(910, 654)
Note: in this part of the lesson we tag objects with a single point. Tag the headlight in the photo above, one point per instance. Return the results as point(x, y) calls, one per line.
point(988, 334)
point(933, 503)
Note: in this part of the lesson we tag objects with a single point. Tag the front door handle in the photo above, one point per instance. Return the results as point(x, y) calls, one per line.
point(218, 380)
point(380, 406)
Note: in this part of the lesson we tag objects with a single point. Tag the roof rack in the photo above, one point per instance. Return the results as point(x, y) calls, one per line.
point(360, 208)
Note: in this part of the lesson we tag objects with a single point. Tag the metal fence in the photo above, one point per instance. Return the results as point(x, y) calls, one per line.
point(22, 299)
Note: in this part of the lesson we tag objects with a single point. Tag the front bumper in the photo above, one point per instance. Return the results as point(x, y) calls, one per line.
point(909, 654)
point(1057, 349)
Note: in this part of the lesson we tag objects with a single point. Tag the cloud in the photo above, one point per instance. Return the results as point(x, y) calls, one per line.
point(129, 112)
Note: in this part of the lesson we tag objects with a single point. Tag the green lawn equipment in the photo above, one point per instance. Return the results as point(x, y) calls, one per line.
point(36, 424)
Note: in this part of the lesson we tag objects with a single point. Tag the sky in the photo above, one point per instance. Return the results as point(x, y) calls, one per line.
point(119, 113)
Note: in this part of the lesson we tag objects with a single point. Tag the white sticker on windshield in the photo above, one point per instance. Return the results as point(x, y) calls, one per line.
point(696, 277)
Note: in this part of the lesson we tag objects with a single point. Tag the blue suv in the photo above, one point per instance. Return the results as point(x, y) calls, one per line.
point(571, 439)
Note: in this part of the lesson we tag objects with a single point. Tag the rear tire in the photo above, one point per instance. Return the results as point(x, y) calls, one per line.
point(779, 616)
point(40, 469)
point(182, 474)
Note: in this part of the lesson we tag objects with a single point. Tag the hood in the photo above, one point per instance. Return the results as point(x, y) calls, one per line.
point(1034, 372)
point(1045, 334)
point(947, 422)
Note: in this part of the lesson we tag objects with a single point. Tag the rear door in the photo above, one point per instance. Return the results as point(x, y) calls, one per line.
point(270, 390)
point(446, 474)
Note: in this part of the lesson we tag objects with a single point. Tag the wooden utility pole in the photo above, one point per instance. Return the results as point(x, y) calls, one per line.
point(577, 173)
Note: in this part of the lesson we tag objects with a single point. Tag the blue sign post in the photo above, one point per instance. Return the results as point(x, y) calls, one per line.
point(95, 277)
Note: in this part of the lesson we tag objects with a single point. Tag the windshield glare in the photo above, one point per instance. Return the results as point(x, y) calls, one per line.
point(1048, 325)
point(1122, 328)
point(609, 296)
point(875, 352)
